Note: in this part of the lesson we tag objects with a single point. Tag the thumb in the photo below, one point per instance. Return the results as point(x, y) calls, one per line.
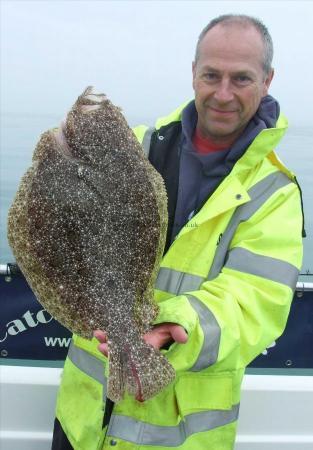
point(179, 334)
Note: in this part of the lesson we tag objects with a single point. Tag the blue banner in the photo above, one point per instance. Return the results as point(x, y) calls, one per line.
point(294, 349)
point(27, 330)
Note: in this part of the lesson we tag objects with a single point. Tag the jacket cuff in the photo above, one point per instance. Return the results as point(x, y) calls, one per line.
point(177, 310)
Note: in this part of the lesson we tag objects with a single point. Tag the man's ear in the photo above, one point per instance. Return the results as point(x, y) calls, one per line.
point(193, 73)
point(267, 82)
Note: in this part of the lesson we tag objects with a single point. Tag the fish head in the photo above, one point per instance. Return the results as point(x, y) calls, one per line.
point(93, 127)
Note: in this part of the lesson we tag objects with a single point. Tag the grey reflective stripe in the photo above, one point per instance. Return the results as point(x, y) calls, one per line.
point(263, 266)
point(212, 335)
point(146, 140)
point(176, 282)
point(143, 433)
point(88, 364)
point(259, 194)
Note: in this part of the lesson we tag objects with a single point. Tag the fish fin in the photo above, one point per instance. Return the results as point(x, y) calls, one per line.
point(118, 363)
point(148, 371)
point(139, 369)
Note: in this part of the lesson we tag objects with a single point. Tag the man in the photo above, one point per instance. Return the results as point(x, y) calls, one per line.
point(233, 253)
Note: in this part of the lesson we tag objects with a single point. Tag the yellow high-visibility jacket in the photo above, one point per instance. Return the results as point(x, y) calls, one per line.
point(228, 279)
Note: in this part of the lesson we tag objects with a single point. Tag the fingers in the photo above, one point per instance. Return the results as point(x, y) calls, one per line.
point(159, 336)
point(100, 335)
point(179, 334)
point(153, 338)
point(165, 333)
point(104, 349)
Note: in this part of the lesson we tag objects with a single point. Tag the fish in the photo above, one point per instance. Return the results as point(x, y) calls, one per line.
point(87, 228)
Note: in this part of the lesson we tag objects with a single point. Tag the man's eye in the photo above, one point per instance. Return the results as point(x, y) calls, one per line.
point(211, 76)
point(242, 79)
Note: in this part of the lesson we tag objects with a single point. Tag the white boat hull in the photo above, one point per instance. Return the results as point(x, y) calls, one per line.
point(276, 410)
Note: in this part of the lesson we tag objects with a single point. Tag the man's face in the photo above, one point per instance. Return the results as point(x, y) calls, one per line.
point(229, 81)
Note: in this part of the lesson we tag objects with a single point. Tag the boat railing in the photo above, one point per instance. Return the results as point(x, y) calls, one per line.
point(10, 269)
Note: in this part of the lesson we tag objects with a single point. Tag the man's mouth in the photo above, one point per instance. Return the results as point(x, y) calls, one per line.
point(224, 112)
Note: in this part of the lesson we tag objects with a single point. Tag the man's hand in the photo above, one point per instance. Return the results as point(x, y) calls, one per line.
point(166, 333)
point(158, 337)
point(103, 339)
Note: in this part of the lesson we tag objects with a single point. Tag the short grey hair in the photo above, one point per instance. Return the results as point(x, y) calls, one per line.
point(244, 20)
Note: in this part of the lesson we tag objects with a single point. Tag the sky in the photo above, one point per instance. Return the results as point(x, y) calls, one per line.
point(138, 52)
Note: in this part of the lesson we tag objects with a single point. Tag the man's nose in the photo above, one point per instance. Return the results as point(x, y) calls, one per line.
point(223, 92)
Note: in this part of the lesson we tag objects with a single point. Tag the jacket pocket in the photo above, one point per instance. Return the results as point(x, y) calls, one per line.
point(199, 392)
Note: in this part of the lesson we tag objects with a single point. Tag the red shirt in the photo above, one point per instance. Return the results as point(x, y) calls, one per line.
point(204, 146)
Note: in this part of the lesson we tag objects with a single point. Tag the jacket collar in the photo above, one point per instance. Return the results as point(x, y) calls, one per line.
point(260, 138)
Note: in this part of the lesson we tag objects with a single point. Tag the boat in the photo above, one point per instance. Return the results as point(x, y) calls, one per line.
point(277, 399)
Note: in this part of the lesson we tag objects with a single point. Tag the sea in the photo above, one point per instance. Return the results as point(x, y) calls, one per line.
point(20, 133)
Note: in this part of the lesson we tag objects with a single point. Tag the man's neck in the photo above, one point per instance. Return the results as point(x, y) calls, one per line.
point(218, 141)
point(205, 145)
point(212, 142)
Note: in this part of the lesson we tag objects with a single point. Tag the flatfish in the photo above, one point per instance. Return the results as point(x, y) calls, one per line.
point(87, 228)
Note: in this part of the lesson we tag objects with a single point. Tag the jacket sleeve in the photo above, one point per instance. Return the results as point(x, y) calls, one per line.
point(233, 317)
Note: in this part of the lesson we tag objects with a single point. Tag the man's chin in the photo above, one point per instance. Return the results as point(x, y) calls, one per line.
point(222, 134)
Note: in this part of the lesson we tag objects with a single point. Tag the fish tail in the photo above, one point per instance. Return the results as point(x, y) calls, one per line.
point(139, 369)
point(148, 371)
point(118, 363)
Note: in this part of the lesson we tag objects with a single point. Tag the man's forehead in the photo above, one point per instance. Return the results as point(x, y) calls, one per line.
point(233, 35)
point(239, 46)
point(238, 70)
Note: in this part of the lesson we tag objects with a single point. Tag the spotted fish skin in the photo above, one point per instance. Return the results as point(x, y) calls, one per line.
point(87, 228)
